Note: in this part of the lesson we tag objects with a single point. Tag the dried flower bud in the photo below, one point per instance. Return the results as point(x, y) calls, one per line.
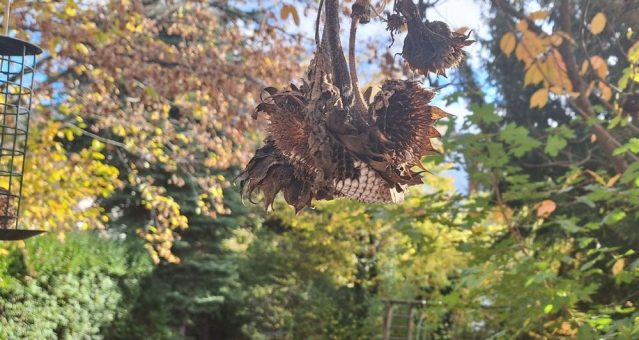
point(395, 23)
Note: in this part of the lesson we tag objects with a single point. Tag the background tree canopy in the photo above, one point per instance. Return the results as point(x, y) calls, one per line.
point(525, 228)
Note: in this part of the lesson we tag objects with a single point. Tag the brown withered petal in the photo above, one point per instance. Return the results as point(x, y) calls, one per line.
point(270, 172)
point(286, 122)
point(403, 116)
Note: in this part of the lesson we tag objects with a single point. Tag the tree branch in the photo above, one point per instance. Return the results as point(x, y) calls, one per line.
point(581, 104)
point(607, 140)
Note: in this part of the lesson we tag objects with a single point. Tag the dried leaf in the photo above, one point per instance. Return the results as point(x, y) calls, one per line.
point(618, 266)
point(591, 87)
point(533, 76)
point(538, 15)
point(507, 43)
point(584, 67)
point(522, 25)
point(606, 91)
point(613, 180)
point(599, 65)
point(290, 10)
point(598, 23)
point(545, 208)
point(556, 39)
point(539, 98)
point(597, 177)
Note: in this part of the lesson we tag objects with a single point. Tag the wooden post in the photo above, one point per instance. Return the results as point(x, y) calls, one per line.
point(388, 320)
point(411, 321)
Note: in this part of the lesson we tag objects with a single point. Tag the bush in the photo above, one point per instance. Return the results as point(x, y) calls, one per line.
point(67, 290)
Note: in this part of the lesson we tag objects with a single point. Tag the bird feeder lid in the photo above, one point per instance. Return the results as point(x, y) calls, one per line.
point(15, 47)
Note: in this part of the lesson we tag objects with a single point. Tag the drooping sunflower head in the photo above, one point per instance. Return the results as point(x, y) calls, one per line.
point(430, 46)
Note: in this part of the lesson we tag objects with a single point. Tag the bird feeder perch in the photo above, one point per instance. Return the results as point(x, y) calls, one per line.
point(17, 72)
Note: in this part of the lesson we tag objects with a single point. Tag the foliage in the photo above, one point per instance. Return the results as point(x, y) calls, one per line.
point(166, 88)
point(53, 290)
point(144, 116)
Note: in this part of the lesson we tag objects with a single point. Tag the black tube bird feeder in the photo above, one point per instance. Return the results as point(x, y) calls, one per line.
point(17, 73)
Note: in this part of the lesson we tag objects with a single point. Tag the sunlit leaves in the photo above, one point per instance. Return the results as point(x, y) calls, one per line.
point(171, 89)
point(543, 63)
point(598, 23)
point(538, 15)
point(507, 43)
point(598, 64)
point(70, 9)
point(631, 146)
point(539, 98)
point(61, 190)
point(289, 10)
point(605, 91)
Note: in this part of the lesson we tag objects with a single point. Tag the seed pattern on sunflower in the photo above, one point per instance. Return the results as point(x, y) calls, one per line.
point(323, 145)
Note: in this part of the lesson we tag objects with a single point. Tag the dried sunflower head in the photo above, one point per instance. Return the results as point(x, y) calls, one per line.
point(430, 46)
point(395, 23)
point(406, 121)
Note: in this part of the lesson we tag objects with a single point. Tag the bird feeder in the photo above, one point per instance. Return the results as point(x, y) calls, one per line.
point(17, 72)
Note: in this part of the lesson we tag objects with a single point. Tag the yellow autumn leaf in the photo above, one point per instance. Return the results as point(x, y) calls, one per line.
point(507, 43)
point(613, 180)
point(82, 48)
point(533, 76)
point(545, 208)
point(522, 54)
point(290, 10)
point(599, 65)
point(557, 90)
point(633, 53)
point(556, 39)
point(584, 67)
point(522, 25)
point(70, 11)
point(618, 266)
point(606, 91)
point(538, 15)
point(591, 87)
point(539, 98)
point(598, 23)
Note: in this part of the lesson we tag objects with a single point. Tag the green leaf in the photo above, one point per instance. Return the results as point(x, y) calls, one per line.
point(548, 309)
point(517, 137)
point(554, 145)
point(483, 113)
point(632, 146)
point(614, 217)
